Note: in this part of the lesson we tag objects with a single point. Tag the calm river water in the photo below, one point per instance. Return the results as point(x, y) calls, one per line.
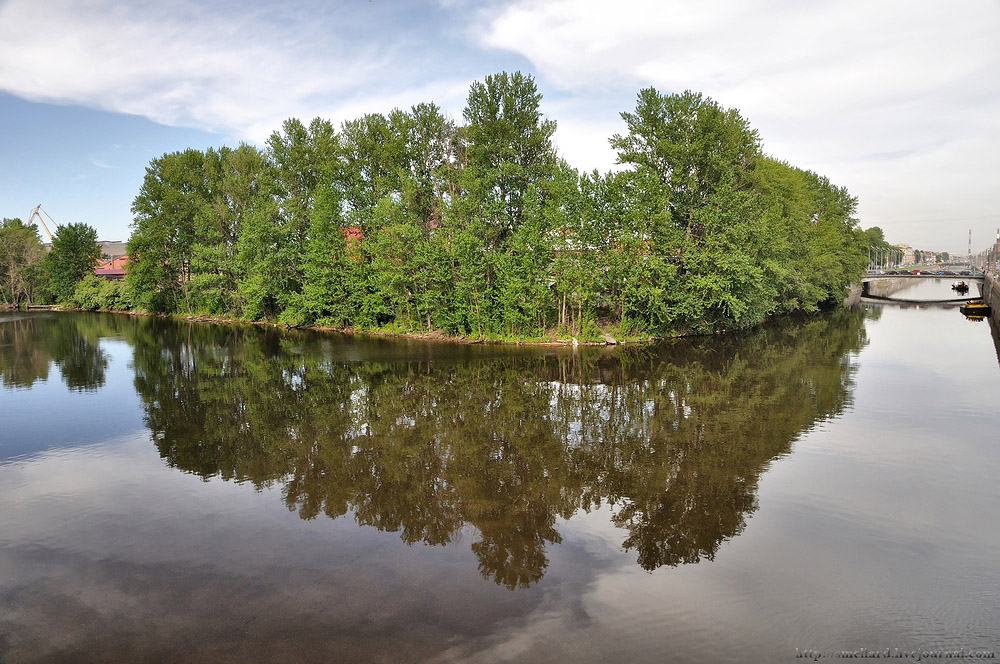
point(201, 493)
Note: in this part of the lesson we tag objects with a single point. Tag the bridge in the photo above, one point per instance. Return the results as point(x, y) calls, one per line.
point(895, 300)
point(969, 279)
point(955, 277)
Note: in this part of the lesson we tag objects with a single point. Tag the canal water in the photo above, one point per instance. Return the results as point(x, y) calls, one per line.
point(189, 492)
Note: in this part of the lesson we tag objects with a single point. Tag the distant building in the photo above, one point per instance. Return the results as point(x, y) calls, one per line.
point(352, 233)
point(112, 248)
point(112, 268)
point(908, 257)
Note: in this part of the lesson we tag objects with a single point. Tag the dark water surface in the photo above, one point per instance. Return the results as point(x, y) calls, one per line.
point(199, 493)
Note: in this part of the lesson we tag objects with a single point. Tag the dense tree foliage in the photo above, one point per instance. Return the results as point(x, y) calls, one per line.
point(880, 252)
point(21, 254)
point(409, 222)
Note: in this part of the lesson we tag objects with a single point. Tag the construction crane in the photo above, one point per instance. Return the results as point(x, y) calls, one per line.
point(38, 212)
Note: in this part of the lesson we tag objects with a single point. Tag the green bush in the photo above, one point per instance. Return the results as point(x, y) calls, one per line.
point(115, 296)
point(96, 293)
point(87, 294)
point(589, 331)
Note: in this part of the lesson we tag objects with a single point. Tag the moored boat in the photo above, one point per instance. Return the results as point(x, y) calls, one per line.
point(975, 308)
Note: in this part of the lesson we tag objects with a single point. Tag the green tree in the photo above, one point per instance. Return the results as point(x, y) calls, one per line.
point(373, 150)
point(235, 180)
point(700, 157)
point(508, 161)
point(724, 283)
point(93, 292)
point(791, 213)
point(330, 266)
point(692, 145)
point(261, 259)
point(165, 231)
point(433, 160)
point(509, 149)
point(20, 251)
point(302, 160)
point(75, 253)
point(838, 245)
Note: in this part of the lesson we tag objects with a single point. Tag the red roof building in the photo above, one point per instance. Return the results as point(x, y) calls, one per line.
point(112, 269)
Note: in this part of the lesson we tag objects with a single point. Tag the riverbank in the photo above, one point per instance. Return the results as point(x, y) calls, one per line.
point(991, 292)
point(431, 336)
point(552, 339)
point(597, 336)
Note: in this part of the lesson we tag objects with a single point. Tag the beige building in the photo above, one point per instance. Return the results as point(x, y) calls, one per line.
point(112, 248)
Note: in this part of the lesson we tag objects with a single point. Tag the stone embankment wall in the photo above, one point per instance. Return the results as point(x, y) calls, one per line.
point(881, 288)
point(991, 294)
point(853, 295)
point(889, 287)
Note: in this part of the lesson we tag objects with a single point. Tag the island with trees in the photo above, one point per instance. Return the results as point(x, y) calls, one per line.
point(413, 223)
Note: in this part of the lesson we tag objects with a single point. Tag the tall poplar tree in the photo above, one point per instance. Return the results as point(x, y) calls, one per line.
point(509, 149)
point(165, 231)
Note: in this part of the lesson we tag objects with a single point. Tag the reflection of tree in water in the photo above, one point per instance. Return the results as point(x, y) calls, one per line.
point(29, 343)
point(673, 438)
point(23, 361)
point(75, 350)
point(711, 424)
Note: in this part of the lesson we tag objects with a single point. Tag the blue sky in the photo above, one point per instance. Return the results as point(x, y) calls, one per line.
point(897, 100)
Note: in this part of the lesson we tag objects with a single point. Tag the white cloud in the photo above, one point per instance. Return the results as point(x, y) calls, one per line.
point(896, 95)
point(181, 64)
point(896, 100)
point(582, 132)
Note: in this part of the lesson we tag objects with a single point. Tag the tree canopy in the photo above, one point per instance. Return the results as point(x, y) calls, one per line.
point(21, 253)
point(74, 255)
point(411, 222)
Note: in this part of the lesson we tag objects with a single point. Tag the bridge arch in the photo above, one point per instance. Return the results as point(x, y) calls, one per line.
point(866, 295)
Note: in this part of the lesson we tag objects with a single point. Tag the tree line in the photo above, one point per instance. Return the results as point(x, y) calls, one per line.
point(29, 274)
point(412, 222)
